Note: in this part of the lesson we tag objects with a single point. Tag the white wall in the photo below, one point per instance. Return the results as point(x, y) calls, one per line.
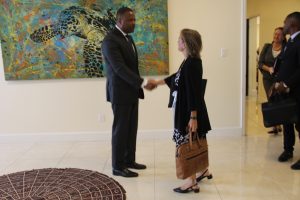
point(74, 105)
point(220, 24)
point(272, 14)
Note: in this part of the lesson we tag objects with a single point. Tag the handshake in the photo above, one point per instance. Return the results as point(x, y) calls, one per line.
point(151, 84)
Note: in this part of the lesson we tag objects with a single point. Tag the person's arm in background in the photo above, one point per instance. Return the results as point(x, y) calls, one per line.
point(261, 60)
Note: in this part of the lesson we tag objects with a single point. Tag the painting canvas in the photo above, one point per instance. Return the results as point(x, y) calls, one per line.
point(58, 39)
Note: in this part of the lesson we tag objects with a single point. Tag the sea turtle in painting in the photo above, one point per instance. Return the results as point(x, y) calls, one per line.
point(85, 23)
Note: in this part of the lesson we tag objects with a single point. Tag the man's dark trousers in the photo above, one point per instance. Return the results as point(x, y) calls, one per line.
point(124, 133)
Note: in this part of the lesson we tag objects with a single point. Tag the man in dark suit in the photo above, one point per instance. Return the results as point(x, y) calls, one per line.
point(123, 89)
point(288, 81)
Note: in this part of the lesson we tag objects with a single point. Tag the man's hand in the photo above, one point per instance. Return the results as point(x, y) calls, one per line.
point(150, 85)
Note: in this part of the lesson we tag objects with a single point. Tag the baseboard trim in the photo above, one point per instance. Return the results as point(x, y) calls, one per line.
point(228, 131)
point(98, 135)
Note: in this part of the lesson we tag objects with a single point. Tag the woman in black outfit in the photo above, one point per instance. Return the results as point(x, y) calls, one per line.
point(266, 63)
point(187, 99)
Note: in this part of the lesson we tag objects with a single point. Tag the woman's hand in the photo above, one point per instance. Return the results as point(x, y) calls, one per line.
point(268, 69)
point(193, 125)
point(271, 70)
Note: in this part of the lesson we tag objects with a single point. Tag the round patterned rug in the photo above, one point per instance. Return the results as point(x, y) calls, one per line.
point(60, 184)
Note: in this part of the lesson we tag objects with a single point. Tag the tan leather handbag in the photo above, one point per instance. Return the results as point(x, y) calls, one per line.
point(191, 157)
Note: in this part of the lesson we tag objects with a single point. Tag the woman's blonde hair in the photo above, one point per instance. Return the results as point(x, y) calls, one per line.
point(193, 42)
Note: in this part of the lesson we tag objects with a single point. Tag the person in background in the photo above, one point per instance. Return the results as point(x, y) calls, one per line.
point(288, 81)
point(266, 64)
point(187, 99)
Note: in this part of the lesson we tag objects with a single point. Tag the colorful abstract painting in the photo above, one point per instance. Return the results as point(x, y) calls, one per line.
point(58, 39)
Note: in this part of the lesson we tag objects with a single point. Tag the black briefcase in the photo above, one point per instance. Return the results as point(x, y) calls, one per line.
point(279, 111)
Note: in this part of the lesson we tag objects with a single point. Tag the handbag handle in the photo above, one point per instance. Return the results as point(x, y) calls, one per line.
point(191, 139)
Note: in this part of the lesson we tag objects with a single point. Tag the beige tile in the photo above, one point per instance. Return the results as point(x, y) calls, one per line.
point(40, 150)
point(243, 167)
point(95, 164)
point(29, 164)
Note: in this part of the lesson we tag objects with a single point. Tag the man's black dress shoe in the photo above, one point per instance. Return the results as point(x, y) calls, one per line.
point(136, 166)
point(296, 165)
point(125, 173)
point(285, 156)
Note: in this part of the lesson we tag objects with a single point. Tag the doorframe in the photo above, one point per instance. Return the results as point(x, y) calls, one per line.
point(247, 58)
point(243, 64)
point(249, 69)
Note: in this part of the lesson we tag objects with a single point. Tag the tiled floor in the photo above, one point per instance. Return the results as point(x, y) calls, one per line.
point(244, 167)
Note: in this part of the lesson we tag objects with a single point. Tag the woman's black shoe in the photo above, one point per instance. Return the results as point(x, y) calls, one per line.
point(202, 176)
point(187, 190)
point(279, 130)
point(274, 131)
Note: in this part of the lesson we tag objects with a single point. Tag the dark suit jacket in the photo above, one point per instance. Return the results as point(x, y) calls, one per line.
point(123, 84)
point(266, 58)
point(289, 67)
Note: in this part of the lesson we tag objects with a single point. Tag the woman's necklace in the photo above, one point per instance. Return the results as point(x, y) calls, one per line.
point(276, 47)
